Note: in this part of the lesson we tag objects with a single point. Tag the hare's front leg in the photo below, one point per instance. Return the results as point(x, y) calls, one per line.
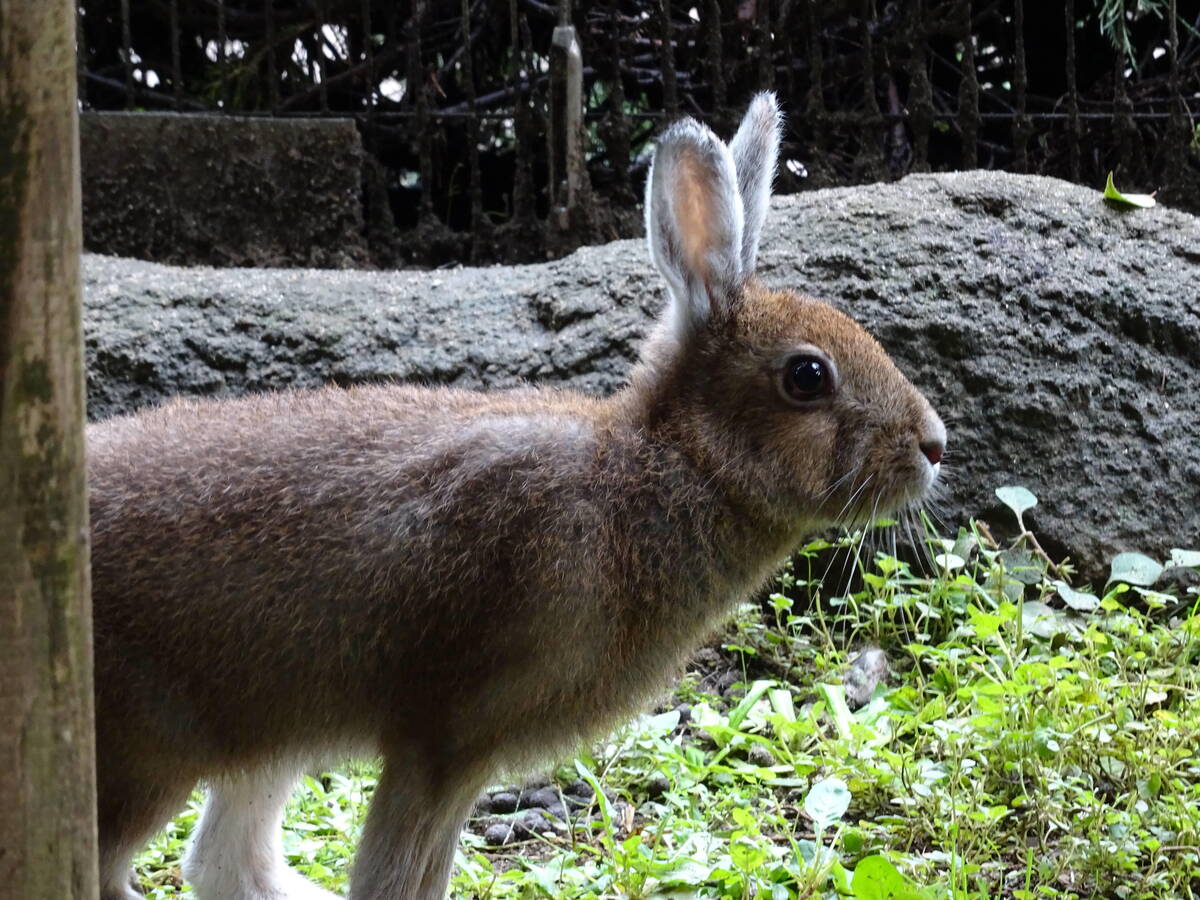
point(237, 849)
point(412, 830)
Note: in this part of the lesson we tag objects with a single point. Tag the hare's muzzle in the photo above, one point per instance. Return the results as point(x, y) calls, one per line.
point(932, 440)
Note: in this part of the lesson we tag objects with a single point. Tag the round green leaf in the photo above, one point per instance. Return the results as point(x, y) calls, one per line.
point(1145, 201)
point(1077, 600)
point(827, 802)
point(1134, 568)
point(950, 561)
point(1016, 498)
point(1185, 558)
point(877, 879)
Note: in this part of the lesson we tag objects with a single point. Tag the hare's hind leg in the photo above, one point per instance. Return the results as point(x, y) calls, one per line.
point(129, 810)
point(237, 849)
point(412, 830)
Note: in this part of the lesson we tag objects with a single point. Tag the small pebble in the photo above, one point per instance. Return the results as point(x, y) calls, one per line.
point(504, 802)
point(761, 756)
point(541, 798)
point(706, 658)
point(534, 822)
point(498, 834)
point(580, 789)
point(725, 685)
point(868, 669)
point(657, 786)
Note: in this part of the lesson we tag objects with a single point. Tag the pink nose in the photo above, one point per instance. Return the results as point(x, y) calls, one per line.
point(933, 451)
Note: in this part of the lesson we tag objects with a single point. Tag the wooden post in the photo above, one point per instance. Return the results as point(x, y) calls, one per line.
point(566, 119)
point(47, 762)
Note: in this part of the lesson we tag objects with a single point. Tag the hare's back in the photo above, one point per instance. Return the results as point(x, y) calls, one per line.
point(321, 532)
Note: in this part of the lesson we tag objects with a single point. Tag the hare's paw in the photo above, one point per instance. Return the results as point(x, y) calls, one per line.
point(293, 886)
point(237, 850)
point(121, 890)
point(274, 882)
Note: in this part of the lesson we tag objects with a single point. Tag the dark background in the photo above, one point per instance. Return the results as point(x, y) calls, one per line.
point(872, 91)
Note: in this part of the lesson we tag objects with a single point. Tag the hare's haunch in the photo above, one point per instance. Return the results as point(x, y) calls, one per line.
point(463, 581)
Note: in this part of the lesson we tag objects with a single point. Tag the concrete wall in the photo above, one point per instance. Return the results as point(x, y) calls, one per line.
point(159, 187)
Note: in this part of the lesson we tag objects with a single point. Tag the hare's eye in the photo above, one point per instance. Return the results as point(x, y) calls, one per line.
point(806, 378)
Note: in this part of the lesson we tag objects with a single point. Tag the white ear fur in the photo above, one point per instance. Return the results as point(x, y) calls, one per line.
point(755, 150)
point(694, 222)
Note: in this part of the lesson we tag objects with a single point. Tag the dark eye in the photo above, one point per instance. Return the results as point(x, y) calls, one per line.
point(806, 378)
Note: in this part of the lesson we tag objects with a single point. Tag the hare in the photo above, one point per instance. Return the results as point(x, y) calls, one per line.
point(464, 582)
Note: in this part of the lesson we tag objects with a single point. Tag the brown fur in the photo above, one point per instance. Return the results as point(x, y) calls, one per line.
point(464, 581)
point(460, 581)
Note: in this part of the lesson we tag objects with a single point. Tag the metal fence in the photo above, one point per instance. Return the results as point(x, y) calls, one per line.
point(508, 129)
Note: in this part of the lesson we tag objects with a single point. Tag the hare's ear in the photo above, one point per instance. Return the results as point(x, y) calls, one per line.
point(694, 223)
point(755, 150)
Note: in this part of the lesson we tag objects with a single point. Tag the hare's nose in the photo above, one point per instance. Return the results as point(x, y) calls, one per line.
point(932, 439)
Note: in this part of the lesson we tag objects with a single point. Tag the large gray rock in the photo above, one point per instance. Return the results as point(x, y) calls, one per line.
point(1059, 337)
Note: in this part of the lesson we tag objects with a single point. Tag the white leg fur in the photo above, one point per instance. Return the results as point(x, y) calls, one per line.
point(237, 849)
point(115, 883)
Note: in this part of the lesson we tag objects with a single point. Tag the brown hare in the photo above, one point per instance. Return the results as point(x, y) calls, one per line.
point(468, 582)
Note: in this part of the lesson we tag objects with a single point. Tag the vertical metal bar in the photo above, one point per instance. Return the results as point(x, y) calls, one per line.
point(522, 197)
point(566, 121)
point(127, 52)
point(323, 87)
point(476, 184)
point(1072, 94)
point(1021, 124)
point(533, 115)
point(666, 50)
point(176, 57)
point(81, 61)
point(815, 99)
point(766, 49)
point(272, 62)
point(1126, 131)
point(369, 57)
point(968, 91)
point(222, 68)
point(418, 96)
point(920, 90)
point(869, 162)
point(783, 28)
point(617, 139)
point(1178, 136)
point(716, 59)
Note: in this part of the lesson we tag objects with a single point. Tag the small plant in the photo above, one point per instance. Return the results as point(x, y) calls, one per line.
point(1023, 712)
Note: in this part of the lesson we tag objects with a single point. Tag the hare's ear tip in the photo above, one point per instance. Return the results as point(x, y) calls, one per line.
point(768, 99)
point(765, 105)
point(686, 131)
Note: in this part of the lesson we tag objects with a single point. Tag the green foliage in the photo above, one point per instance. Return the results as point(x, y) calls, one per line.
point(1035, 740)
point(1112, 195)
point(1109, 14)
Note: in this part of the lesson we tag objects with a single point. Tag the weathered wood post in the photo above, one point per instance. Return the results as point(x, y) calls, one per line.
point(47, 777)
point(567, 172)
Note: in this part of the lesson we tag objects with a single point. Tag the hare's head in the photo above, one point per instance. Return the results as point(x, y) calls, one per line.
point(784, 396)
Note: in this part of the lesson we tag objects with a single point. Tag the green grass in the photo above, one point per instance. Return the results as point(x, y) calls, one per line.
point(1031, 742)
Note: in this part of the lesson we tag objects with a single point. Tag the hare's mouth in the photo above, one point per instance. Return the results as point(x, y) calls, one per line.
point(870, 497)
